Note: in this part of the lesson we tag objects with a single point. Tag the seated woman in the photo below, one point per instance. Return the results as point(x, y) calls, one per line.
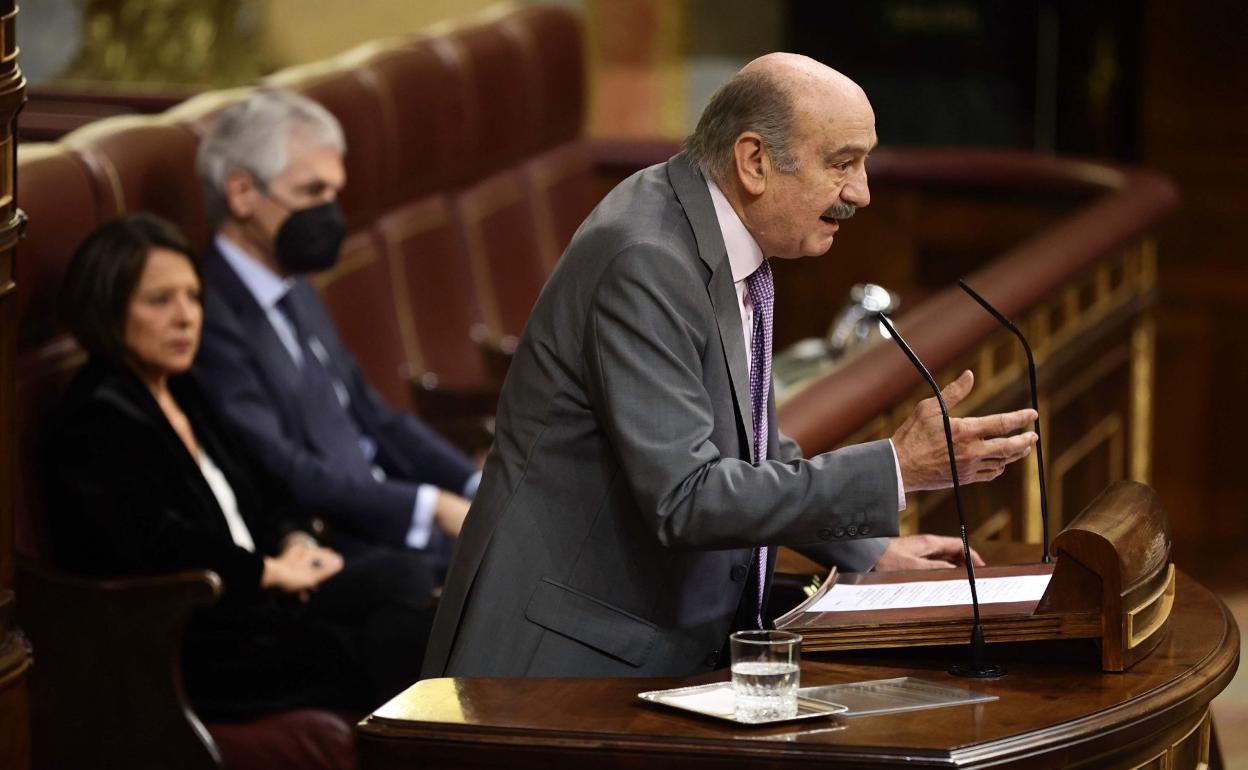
point(143, 480)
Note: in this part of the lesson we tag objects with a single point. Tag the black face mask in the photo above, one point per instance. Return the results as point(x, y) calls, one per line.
point(308, 240)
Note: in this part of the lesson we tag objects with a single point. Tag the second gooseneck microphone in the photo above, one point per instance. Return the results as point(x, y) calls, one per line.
point(1035, 404)
point(977, 667)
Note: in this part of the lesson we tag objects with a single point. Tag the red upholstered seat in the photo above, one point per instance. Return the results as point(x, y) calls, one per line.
point(440, 314)
point(430, 142)
point(560, 177)
point(57, 193)
point(466, 176)
point(501, 236)
point(549, 39)
point(303, 739)
point(129, 626)
point(349, 93)
point(560, 184)
point(141, 164)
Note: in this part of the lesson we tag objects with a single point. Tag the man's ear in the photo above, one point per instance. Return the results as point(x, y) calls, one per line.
point(242, 195)
point(753, 164)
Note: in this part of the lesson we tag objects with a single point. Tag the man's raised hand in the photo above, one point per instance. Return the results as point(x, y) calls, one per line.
point(983, 445)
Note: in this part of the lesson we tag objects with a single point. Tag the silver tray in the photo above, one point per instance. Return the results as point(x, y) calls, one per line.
point(890, 696)
point(716, 700)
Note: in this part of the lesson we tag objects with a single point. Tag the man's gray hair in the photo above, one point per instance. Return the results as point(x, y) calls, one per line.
point(756, 101)
point(254, 135)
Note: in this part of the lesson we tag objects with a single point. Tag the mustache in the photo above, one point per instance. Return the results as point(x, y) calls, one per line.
point(841, 211)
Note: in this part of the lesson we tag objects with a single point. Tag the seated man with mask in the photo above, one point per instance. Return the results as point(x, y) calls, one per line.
point(271, 359)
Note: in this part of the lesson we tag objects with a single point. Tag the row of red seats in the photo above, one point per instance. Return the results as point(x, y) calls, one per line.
point(467, 174)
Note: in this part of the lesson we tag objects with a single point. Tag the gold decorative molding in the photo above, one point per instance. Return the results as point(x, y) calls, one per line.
point(355, 256)
point(1143, 341)
point(1033, 514)
point(8, 156)
point(431, 215)
point(1146, 617)
point(1050, 325)
point(1107, 431)
point(993, 526)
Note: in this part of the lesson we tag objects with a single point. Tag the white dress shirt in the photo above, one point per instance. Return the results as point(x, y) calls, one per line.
point(228, 503)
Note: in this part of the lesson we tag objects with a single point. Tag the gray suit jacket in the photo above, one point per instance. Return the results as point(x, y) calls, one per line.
point(614, 526)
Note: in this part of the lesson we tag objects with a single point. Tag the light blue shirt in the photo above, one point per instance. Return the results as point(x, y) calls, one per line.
point(268, 288)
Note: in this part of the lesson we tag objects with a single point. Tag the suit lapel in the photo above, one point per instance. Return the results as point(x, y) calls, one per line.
point(123, 390)
point(271, 355)
point(695, 198)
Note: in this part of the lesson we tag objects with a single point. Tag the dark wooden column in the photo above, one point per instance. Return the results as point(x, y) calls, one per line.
point(15, 657)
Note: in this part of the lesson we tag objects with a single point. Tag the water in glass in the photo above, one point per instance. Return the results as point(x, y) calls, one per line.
point(765, 690)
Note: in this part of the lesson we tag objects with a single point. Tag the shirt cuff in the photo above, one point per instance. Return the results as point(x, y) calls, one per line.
point(901, 487)
point(470, 487)
point(422, 516)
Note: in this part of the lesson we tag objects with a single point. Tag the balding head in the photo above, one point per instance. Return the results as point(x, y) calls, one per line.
point(768, 96)
point(786, 140)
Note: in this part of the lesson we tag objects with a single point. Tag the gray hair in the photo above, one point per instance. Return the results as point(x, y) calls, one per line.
point(254, 135)
point(751, 101)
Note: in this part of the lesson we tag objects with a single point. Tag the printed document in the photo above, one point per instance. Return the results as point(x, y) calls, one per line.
point(844, 597)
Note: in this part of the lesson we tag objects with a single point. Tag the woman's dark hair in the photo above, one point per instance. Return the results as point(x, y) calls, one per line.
point(103, 274)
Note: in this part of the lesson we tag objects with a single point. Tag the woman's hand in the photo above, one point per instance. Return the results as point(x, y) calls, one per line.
point(300, 568)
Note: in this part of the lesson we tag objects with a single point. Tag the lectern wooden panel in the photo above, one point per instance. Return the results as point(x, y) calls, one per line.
point(1056, 708)
point(1112, 580)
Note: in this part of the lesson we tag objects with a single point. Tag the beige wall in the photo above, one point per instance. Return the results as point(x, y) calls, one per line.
point(297, 31)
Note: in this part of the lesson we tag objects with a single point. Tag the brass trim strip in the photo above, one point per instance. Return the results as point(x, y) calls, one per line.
point(1158, 604)
point(358, 257)
point(993, 526)
point(1143, 356)
point(1107, 431)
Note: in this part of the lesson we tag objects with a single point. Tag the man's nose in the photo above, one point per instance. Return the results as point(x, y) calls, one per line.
point(856, 191)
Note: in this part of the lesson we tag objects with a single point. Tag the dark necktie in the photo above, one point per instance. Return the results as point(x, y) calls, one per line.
point(332, 430)
point(763, 298)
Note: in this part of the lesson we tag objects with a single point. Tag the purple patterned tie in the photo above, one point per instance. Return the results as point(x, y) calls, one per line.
point(763, 298)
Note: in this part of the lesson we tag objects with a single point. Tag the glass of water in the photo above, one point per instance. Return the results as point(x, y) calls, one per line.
point(765, 674)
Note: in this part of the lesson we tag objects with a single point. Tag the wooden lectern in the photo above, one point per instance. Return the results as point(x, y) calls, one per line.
point(1112, 581)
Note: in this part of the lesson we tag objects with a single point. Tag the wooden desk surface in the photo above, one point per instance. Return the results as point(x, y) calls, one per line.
point(1056, 709)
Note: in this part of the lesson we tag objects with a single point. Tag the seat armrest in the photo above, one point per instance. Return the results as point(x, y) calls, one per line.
point(629, 155)
point(106, 688)
point(464, 415)
point(497, 352)
point(437, 401)
point(614, 160)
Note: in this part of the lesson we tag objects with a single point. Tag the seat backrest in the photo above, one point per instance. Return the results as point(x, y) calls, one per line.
point(495, 211)
point(426, 92)
point(560, 176)
point(350, 95)
point(435, 293)
point(58, 195)
point(144, 164)
point(466, 177)
point(424, 100)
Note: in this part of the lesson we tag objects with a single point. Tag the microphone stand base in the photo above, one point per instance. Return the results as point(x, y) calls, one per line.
point(977, 670)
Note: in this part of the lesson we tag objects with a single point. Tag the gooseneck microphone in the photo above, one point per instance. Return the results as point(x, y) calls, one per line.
point(977, 667)
point(1031, 373)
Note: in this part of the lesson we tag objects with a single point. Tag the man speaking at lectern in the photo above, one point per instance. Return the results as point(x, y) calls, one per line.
point(629, 512)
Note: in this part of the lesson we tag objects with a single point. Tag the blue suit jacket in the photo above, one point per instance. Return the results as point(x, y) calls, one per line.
point(252, 381)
